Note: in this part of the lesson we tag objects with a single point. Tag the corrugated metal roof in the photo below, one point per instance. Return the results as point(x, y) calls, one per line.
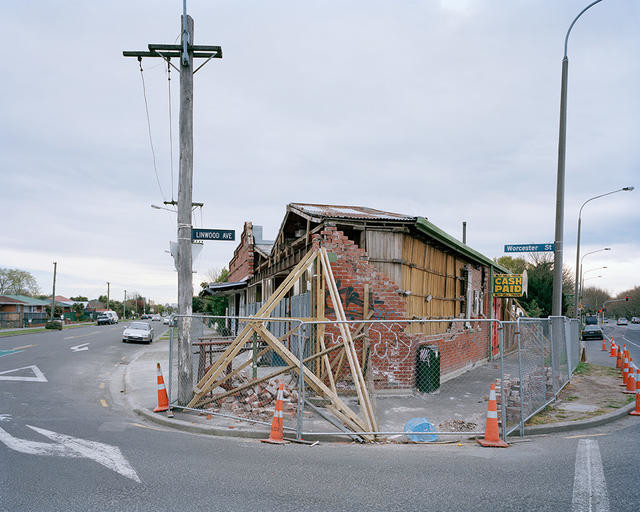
point(332, 211)
point(29, 300)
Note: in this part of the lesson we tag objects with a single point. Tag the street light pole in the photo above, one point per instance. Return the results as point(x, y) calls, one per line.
point(578, 265)
point(124, 314)
point(556, 305)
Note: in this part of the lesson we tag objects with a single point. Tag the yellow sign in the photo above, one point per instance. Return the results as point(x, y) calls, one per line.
point(508, 285)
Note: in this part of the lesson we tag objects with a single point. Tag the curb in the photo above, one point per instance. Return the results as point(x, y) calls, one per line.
point(194, 428)
point(567, 426)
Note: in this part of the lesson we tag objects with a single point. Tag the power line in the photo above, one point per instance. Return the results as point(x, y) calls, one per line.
point(146, 107)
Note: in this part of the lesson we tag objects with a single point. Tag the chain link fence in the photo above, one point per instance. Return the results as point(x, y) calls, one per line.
point(388, 378)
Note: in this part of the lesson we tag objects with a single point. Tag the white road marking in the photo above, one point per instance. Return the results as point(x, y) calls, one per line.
point(38, 375)
point(589, 485)
point(633, 343)
point(9, 352)
point(66, 446)
point(81, 335)
point(80, 348)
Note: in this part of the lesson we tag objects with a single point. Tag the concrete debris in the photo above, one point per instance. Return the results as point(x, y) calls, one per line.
point(525, 393)
point(454, 425)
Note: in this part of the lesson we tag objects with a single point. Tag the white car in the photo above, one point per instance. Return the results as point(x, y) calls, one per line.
point(138, 331)
point(622, 321)
point(113, 315)
point(166, 320)
point(156, 318)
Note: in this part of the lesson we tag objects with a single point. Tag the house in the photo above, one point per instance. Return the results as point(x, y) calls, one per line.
point(22, 310)
point(401, 266)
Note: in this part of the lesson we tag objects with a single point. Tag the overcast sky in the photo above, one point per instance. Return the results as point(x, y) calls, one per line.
point(444, 109)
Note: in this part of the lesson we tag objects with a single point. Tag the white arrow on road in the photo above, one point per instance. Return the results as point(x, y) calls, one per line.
point(67, 446)
point(79, 348)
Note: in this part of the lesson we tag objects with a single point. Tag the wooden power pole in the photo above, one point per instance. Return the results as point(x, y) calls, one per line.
point(53, 293)
point(186, 52)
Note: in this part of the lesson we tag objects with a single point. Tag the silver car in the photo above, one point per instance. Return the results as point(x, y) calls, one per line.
point(138, 331)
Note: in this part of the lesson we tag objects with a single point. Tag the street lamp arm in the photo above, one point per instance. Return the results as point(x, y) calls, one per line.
point(602, 195)
point(566, 38)
point(597, 250)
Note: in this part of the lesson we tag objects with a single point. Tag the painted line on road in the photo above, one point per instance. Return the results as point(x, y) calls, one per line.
point(38, 376)
point(581, 436)
point(589, 485)
point(82, 335)
point(150, 427)
point(80, 348)
point(103, 403)
point(23, 347)
point(632, 342)
point(9, 352)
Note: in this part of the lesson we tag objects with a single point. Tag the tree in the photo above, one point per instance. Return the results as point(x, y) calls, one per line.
point(593, 298)
point(79, 298)
point(538, 301)
point(17, 282)
point(78, 308)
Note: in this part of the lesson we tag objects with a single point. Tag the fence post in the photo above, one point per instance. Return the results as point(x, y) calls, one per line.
point(300, 383)
point(255, 356)
point(520, 377)
point(170, 359)
point(502, 394)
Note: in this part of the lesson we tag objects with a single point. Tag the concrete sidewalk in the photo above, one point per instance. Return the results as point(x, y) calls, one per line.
point(459, 403)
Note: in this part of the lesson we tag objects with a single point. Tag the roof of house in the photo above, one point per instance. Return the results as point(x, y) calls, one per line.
point(320, 212)
point(31, 301)
point(5, 299)
point(225, 288)
point(332, 211)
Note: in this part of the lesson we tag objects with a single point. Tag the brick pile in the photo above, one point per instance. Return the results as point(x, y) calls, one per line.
point(258, 402)
point(527, 393)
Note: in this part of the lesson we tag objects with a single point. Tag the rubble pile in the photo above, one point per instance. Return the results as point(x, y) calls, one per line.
point(529, 393)
point(454, 425)
point(258, 402)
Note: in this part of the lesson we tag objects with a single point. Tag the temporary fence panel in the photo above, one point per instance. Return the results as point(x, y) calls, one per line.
point(437, 379)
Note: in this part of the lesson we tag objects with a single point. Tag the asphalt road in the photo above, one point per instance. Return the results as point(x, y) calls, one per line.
point(626, 334)
point(155, 469)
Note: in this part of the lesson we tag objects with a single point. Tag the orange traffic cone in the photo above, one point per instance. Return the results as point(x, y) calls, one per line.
point(604, 345)
point(636, 412)
point(625, 369)
point(491, 431)
point(631, 381)
point(276, 435)
point(619, 359)
point(163, 399)
point(614, 351)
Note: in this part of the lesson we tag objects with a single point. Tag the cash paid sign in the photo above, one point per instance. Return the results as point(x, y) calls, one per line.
point(508, 285)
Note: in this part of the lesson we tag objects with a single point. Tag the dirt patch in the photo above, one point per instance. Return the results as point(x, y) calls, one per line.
point(593, 391)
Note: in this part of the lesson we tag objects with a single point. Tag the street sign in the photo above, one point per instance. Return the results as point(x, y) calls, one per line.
point(213, 234)
point(529, 248)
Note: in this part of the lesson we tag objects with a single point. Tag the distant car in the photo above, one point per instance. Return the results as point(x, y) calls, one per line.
point(635, 320)
point(156, 318)
point(103, 319)
point(622, 321)
point(113, 315)
point(591, 320)
point(138, 331)
point(166, 320)
point(592, 332)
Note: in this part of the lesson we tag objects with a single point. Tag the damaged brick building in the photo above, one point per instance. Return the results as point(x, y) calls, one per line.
point(386, 266)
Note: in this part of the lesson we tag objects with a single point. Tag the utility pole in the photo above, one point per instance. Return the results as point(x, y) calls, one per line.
point(108, 292)
point(124, 305)
point(53, 294)
point(186, 52)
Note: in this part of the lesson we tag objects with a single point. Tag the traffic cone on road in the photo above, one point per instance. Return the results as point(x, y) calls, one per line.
point(619, 359)
point(276, 435)
point(163, 399)
point(613, 352)
point(491, 431)
point(631, 381)
point(636, 412)
point(625, 369)
point(604, 345)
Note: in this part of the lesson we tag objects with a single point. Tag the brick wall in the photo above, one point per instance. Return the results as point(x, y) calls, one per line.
point(241, 265)
point(393, 351)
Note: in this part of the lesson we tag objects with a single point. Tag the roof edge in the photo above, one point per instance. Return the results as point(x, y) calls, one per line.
point(446, 239)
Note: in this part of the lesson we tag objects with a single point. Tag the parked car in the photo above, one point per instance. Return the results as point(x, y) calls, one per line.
point(138, 331)
point(166, 320)
point(622, 321)
point(635, 320)
point(592, 332)
point(591, 320)
point(156, 318)
point(113, 315)
point(103, 319)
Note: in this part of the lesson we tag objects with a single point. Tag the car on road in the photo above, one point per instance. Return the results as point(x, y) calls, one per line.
point(592, 332)
point(622, 321)
point(166, 320)
point(138, 331)
point(635, 320)
point(156, 318)
point(103, 319)
point(113, 315)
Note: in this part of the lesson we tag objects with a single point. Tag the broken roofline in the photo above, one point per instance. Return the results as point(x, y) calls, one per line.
point(355, 214)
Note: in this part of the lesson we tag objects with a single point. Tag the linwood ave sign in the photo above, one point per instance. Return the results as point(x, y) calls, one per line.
point(213, 234)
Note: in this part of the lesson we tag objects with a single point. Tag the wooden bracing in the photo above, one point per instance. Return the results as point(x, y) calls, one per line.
point(319, 359)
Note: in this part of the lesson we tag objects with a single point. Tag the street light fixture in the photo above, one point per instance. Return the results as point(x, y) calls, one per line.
point(162, 208)
point(582, 259)
point(624, 189)
point(556, 307)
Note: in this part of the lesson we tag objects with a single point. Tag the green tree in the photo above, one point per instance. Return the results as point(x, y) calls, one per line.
point(515, 265)
point(593, 298)
point(79, 298)
point(14, 281)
